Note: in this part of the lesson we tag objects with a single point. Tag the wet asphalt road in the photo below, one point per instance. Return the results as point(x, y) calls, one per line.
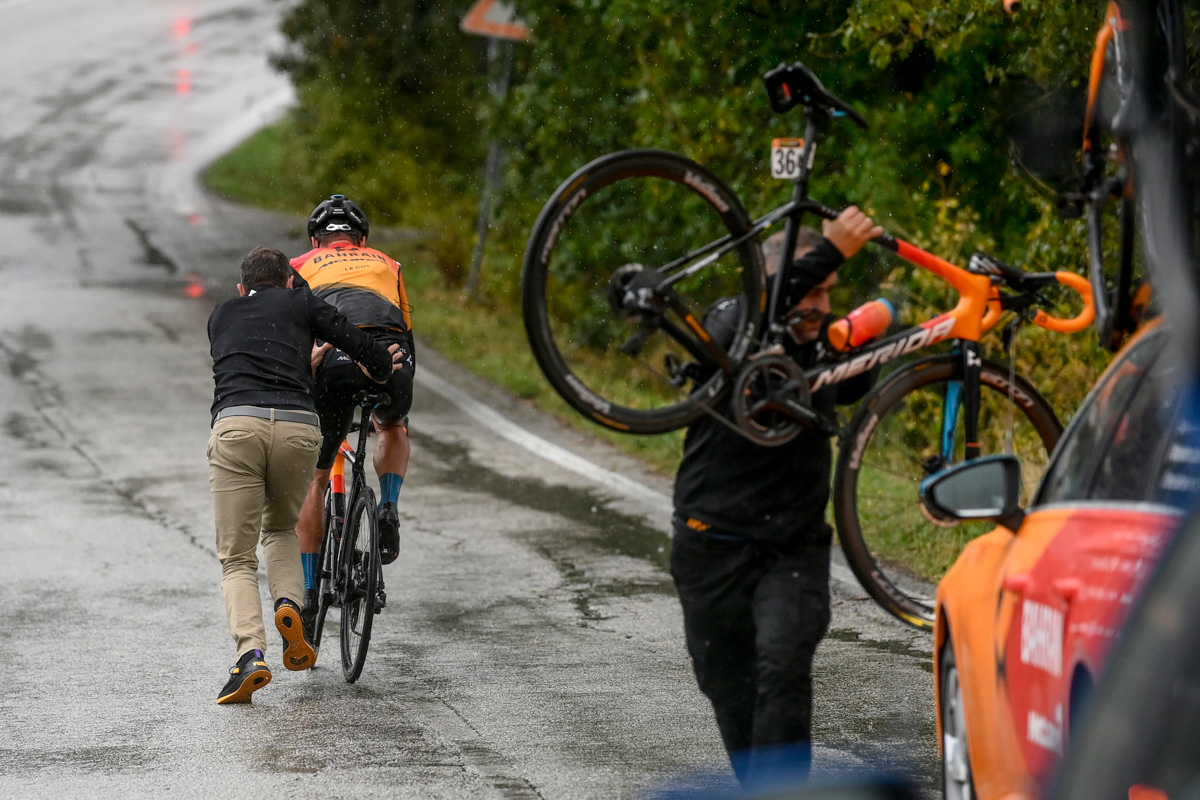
point(532, 646)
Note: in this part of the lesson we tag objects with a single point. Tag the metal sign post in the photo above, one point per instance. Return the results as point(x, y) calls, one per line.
point(497, 21)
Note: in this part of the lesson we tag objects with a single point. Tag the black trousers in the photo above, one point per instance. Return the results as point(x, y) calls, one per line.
point(753, 614)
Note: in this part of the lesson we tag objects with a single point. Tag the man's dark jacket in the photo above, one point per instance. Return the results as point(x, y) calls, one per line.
point(261, 347)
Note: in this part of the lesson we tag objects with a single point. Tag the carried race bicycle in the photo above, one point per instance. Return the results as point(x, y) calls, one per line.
point(350, 569)
point(1120, 102)
point(633, 248)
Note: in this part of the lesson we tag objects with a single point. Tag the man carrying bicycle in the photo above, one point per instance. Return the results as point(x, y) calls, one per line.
point(367, 287)
point(750, 554)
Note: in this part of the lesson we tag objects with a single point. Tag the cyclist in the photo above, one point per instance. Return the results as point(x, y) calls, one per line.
point(750, 554)
point(366, 286)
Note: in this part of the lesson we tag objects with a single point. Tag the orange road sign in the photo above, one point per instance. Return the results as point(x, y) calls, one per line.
point(495, 19)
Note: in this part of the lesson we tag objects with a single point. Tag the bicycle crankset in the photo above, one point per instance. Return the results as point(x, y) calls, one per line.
point(771, 400)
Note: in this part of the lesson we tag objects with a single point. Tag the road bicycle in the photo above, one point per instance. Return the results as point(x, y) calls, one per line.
point(631, 250)
point(1119, 103)
point(351, 571)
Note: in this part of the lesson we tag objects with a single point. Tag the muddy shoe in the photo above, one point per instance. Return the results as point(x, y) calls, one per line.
point(389, 533)
point(246, 677)
point(298, 654)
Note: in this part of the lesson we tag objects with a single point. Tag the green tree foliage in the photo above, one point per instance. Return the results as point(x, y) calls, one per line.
point(390, 95)
point(394, 104)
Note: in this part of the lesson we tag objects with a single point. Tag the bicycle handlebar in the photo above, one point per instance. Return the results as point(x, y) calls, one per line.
point(1081, 320)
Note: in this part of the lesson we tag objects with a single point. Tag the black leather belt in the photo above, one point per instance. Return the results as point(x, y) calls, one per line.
point(274, 414)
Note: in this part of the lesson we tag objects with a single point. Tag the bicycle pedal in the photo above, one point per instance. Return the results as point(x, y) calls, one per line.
point(380, 601)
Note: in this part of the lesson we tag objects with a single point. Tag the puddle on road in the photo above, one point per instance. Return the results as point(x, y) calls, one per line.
point(151, 255)
point(894, 647)
point(20, 363)
point(598, 525)
point(114, 758)
point(12, 206)
point(578, 552)
point(28, 431)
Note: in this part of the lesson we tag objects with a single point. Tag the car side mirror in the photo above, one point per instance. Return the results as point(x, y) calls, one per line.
point(986, 488)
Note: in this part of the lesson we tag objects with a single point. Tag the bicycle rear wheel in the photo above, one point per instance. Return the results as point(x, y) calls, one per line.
point(618, 221)
point(360, 568)
point(894, 547)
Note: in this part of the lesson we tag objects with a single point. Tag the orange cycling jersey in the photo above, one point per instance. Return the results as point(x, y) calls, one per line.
point(363, 284)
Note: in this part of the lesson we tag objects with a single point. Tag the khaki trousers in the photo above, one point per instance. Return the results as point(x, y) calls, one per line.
point(259, 471)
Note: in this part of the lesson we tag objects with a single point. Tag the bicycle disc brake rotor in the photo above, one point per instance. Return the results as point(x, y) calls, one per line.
point(762, 393)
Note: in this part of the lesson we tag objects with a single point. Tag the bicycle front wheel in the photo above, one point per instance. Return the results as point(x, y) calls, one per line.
point(624, 222)
point(900, 436)
point(360, 568)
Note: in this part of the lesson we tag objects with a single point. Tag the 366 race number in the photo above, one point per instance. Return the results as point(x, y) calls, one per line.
point(786, 158)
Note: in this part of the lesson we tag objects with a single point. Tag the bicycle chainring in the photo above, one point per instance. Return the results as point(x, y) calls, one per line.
point(769, 397)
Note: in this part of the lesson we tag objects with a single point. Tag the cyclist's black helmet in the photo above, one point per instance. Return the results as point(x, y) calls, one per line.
point(338, 214)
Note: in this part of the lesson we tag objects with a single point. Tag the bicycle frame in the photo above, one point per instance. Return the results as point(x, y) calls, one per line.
point(343, 500)
point(1114, 310)
point(979, 308)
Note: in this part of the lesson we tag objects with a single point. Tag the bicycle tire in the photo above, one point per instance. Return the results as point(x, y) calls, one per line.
point(360, 568)
point(635, 207)
point(879, 518)
point(326, 566)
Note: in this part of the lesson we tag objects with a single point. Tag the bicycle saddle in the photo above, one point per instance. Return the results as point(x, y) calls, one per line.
point(368, 399)
point(791, 85)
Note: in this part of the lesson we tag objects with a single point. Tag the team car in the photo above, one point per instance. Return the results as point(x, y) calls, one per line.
point(1028, 613)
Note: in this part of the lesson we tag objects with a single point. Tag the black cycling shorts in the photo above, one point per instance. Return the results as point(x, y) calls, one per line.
point(338, 379)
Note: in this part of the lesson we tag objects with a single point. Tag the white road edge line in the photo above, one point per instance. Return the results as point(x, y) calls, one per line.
point(505, 428)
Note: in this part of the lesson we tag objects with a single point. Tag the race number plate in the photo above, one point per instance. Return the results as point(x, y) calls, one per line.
point(786, 155)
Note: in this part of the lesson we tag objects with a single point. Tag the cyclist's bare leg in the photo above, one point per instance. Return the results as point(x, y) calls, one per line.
point(391, 449)
point(310, 528)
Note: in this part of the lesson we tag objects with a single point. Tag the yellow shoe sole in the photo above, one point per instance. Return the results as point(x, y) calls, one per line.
point(254, 681)
point(299, 654)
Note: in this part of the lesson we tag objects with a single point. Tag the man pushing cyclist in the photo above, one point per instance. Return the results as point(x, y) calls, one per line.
point(366, 286)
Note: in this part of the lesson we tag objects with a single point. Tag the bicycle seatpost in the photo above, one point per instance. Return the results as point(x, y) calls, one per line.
point(817, 117)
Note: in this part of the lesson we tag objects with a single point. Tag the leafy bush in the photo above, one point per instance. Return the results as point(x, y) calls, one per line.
point(395, 110)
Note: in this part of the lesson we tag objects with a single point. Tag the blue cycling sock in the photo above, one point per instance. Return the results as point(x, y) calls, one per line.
point(389, 488)
point(309, 562)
